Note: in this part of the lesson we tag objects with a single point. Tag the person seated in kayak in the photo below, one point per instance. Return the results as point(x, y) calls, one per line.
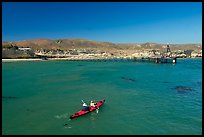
point(92, 104)
point(85, 107)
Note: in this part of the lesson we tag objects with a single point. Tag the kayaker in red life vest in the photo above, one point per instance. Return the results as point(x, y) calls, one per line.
point(85, 107)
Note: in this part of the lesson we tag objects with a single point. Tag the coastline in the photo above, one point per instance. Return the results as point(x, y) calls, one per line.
point(49, 59)
point(68, 59)
point(15, 60)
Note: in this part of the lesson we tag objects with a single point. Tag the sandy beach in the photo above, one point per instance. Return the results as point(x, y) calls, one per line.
point(14, 60)
point(68, 58)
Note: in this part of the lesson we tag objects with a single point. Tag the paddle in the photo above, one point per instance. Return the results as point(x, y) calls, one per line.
point(82, 101)
point(97, 109)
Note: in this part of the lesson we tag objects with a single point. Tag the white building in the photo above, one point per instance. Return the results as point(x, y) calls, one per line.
point(24, 49)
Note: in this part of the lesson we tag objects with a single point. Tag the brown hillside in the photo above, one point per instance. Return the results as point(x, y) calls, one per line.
point(91, 44)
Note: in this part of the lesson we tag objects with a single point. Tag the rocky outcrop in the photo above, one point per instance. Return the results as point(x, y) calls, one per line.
point(196, 53)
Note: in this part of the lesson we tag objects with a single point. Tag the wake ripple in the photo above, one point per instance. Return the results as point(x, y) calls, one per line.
point(65, 115)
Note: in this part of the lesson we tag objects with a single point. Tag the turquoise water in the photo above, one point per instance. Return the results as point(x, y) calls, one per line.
point(141, 98)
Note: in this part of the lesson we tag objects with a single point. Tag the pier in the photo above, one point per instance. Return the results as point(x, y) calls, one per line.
point(158, 60)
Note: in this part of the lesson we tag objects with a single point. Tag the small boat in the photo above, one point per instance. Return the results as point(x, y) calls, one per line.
point(81, 112)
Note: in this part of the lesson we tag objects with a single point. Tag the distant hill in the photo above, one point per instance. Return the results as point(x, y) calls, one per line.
point(66, 44)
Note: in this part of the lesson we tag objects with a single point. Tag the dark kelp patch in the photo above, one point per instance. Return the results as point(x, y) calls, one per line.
point(183, 89)
point(198, 83)
point(29, 110)
point(128, 79)
point(80, 65)
point(9, 97)
point(166, 82)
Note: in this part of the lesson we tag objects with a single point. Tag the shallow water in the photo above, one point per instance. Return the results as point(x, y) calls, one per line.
point(141, 98)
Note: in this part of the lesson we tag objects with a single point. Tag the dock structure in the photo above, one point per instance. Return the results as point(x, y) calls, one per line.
point(158, 60)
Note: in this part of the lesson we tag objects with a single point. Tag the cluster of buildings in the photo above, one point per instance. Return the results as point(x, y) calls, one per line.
point(138, 54)
point(174, 54)
point(70, 52)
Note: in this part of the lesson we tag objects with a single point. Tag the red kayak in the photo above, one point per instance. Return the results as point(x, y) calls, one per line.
point(81, 112)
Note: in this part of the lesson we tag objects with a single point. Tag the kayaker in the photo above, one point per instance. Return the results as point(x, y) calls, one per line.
point(92, 104)
point(85, 107)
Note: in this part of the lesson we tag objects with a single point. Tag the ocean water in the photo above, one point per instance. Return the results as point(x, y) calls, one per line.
point(141, 98)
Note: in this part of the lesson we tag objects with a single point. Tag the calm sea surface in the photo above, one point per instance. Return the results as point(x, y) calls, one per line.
point(141, 98)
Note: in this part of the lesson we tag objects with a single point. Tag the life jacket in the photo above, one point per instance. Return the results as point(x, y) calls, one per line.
point(92, 104)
